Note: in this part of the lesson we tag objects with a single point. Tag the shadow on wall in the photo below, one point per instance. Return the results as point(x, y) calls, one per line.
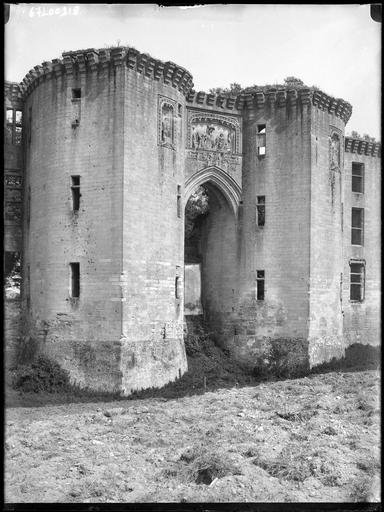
point(357, 357)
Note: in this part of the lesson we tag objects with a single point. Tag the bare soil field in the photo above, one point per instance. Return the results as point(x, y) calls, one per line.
point(311, 439)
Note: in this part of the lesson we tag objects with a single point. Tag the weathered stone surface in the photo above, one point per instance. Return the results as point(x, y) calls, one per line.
point(141, 141)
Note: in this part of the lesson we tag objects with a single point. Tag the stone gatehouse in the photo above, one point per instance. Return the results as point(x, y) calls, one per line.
point(104, 148)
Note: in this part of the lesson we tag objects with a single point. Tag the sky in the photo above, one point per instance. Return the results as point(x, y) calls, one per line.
point(335, 47)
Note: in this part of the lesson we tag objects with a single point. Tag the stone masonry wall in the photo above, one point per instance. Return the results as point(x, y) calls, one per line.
point(141, 140)
point(362, 319)
point(281, 246)
point(153, 350)
point(13, 175)
point(81, 334)
point(326, 264)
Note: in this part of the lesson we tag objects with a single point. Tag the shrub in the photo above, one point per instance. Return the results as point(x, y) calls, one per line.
point(198, 342)
point(41, 375)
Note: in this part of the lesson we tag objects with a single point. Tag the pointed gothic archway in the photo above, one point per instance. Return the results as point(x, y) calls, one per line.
point(221, 179)
point(211, 251)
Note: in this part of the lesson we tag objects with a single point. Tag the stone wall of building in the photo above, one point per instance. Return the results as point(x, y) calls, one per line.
point(13, 213)
point(129, 134)
point(88, 119)
point(326, 230)
point(82, 137)
point(362, 319)
point(279, 248)
point(13, 168)
point(152, 347)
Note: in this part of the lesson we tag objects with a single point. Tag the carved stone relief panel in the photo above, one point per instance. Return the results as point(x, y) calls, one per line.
point(213, 136)
point(209, 131)
point(335, 149)
point(166, 122)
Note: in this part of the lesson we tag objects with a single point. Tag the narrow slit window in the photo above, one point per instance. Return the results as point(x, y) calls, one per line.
point(30, 125)
point(29, 206)
point(357, 177)
point(179, 201)
point(260, 211)
point(357, 281)
point(28, 287)
point(261, 139)
point(75, 187)
point(75, 280)
point(260, 282)
point(177, 287)
point(357, 234)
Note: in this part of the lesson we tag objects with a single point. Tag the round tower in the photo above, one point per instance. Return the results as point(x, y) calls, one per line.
point(104, 155)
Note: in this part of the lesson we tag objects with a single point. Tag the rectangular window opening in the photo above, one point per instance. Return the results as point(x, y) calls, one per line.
point(357, 177)
point(260, 281)
point(9, 115)
point(14, 130)
point(18, 117)
point(357, 234)
point(357, 281)
point(260, 211)
point(261, 139)
point(76, 94)
point(75, 280)
point(177, 287)
point(18, 134)
point(75, 187)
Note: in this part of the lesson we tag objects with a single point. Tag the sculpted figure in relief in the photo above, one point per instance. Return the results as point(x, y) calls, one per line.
point(167, 124)
point(335, 151)
point(213, 137)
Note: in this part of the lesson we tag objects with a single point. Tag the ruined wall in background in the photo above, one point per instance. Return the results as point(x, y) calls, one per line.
point(13, 214)
point(13, 168)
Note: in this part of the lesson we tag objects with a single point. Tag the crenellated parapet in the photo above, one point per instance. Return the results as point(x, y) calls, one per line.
point(273, 97)
point(13, 93)
point(362, 147)
point(78, 63)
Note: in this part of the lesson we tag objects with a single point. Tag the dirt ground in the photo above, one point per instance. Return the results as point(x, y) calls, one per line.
point(312, 439)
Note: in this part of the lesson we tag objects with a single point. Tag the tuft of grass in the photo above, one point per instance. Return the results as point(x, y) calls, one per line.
point(362, 490)
point(286, 469)
point(210, 465)
point(206, 464)
point(369, 466)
